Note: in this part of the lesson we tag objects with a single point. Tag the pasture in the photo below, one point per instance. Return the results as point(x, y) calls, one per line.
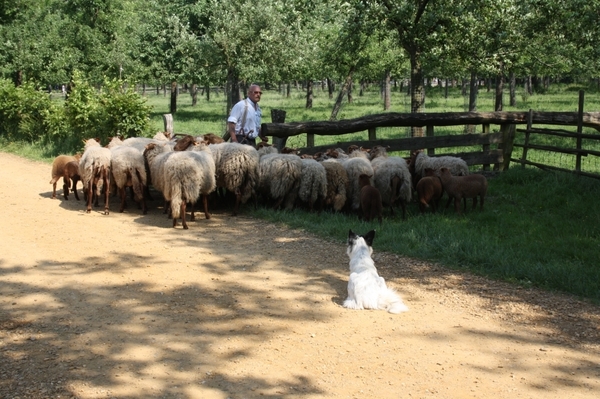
point(537, 229)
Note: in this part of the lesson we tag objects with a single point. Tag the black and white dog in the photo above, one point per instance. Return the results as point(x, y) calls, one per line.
point(366, 289)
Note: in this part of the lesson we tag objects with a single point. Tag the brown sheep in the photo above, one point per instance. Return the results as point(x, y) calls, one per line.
point(67, 167)
point(184, 143)
point(211, 138)
point(430, 191)
point(370, 199)
point(458, 187)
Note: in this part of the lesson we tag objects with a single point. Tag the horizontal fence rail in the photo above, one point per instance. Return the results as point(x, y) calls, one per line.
point(489, 148)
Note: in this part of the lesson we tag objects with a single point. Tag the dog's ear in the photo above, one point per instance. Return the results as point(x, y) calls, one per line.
point(351, 234)
point(369, 237)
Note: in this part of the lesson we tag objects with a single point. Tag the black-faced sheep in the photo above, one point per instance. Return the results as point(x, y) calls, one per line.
point(370, 200)
point(67, 168)
point(458, 187)
point(280, 178)
point(392, 178)
point(94, 170)
point(237, 170)
point(429, 190)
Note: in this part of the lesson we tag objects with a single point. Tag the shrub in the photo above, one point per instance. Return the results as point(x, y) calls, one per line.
point(28, 114)
point(116, 110)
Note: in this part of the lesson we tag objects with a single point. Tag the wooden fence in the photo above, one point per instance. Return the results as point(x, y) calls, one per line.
point(490, 148)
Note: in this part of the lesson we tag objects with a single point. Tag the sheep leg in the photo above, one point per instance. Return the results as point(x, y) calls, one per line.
point(403, 205)
point(457, 205)
point(183, 217)
point(75, 180)
point(90, 194)
point(238, 200)
point(205, 204)
point(66, 185)
point(123, 196)
point(193, 216)
point(106, 181)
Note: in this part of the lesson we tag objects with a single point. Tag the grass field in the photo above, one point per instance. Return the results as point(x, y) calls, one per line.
point(537, 229)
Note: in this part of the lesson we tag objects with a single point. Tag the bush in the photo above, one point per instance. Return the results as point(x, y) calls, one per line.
point(28, 114)
point(116, 110)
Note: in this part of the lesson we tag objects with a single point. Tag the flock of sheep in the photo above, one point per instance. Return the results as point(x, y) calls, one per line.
point(358, 180)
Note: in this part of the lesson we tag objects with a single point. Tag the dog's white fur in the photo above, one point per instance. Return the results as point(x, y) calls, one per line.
point(366, 289)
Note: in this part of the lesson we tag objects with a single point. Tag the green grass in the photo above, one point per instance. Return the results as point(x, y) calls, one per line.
point(537, 229)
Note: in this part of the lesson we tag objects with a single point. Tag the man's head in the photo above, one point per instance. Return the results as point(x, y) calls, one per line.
point(254, 93)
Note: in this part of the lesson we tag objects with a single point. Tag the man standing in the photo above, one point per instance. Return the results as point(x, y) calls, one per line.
point(244, 120)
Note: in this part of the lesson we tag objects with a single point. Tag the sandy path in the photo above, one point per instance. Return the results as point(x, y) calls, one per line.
point(124, 306)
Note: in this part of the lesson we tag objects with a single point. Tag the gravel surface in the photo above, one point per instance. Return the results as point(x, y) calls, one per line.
point(125, 306)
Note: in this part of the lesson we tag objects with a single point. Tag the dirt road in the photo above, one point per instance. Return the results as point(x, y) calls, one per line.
point(124, 306)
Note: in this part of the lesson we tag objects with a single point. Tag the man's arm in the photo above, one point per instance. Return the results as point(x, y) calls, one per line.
point(231, 128)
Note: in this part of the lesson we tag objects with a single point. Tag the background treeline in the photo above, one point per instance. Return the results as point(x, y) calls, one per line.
point(335, 46)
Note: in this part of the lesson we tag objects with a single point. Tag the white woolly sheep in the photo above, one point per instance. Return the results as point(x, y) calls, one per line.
point(459, 187)
point(67, 167)
point(266, 148)
point(94, 170)
point(280, 178)
point(237, 170)
point(313, 184)
point(354, 168)
point(155, 156)
point(392, 178)
point(182, 177)
point(337, 184)
point(129, 170)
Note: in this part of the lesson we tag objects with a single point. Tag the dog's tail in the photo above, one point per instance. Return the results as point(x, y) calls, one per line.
point(391, 301)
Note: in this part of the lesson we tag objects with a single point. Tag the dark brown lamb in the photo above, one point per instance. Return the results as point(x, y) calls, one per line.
point(370, 200)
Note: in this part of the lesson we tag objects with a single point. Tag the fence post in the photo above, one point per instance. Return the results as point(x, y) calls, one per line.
point(527, 132)
point(579, 132)
point(508, 138)
point(486, 147)
point(372, 134)
point(278, 116)
point(168, 121)
point(429, 133)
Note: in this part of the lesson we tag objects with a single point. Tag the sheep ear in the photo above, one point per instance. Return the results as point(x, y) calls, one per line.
point(369, 237)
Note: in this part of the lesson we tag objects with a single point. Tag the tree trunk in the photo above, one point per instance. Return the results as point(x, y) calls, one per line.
point(330, 88)
point(513, 90)
point(417, 91)
point(233, 89)
point(499, 88)
point(338, 102)
point(194, 94)
point(473, 92)
point(173, 107)
point(207, 91)
point(288, 89)
point(387, 91)
point(309, 94)
point(350, 87)
point(446, 89)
